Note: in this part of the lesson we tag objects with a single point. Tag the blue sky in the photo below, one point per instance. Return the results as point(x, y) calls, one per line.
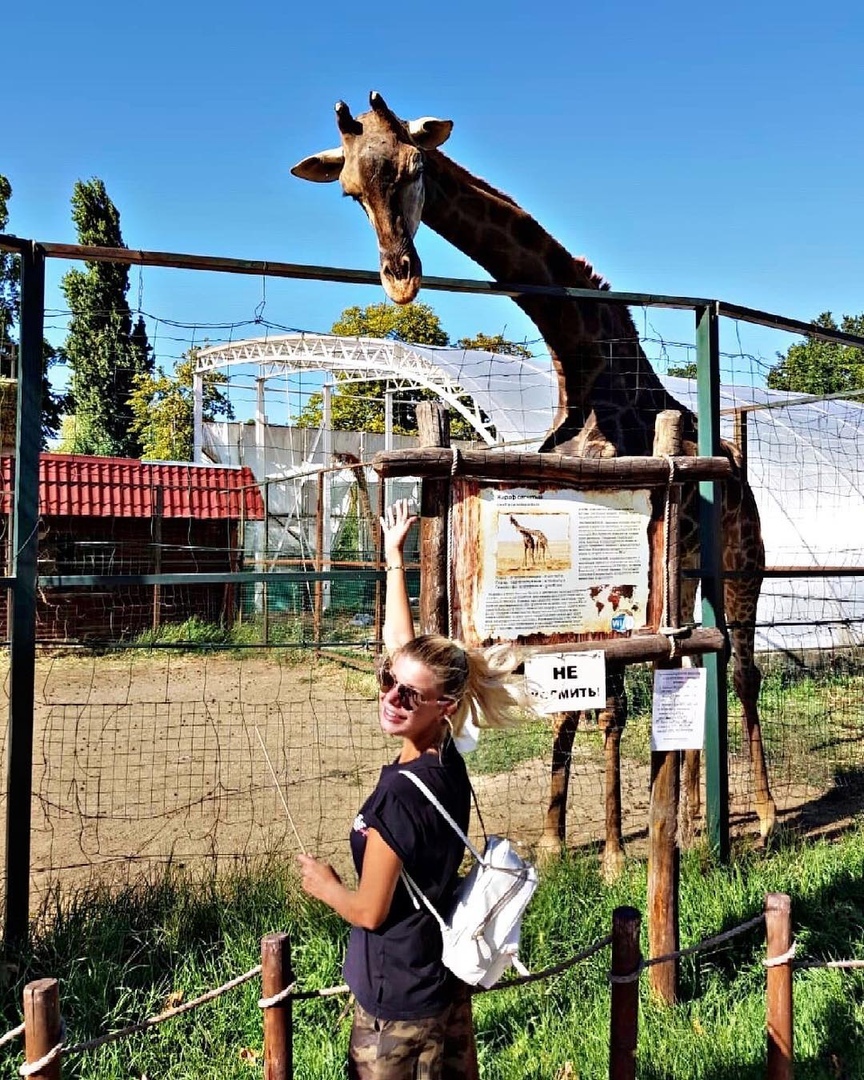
point(687, 149)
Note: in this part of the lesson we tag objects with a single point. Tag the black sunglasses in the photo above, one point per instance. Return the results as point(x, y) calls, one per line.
point(408, 698)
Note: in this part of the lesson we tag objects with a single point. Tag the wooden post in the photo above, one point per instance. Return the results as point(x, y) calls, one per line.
point(379, 545)
point(663, 853)
point(265, 595)
point(156, 532)
point(319, 560)
point(276, 975)
point(778, 989)
point(236, 552)
point(739, 437)
point(433, 427)
point(42, 1031)
point(624, 1018)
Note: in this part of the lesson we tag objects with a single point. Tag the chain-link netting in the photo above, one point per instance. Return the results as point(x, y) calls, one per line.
point(153, 697)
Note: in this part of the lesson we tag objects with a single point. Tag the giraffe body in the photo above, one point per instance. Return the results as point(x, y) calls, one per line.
point(609, 396)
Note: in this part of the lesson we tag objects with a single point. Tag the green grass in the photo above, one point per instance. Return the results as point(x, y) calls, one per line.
point(499, 750)
point(120, 956)
point(295, 633)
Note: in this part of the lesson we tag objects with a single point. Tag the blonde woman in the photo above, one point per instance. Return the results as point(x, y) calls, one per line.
point(412, 1016)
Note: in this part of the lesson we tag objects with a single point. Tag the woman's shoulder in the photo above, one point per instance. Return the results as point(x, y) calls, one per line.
point(440, 774)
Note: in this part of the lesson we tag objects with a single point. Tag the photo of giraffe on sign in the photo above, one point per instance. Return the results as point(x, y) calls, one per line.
point(533, 543)
point(535, 564)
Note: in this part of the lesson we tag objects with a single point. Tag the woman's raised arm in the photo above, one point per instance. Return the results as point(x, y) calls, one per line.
point(398, 620)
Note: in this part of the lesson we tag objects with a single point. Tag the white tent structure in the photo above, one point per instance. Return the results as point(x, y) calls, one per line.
point(805, 463)
point(517, 392)
point(805, 456)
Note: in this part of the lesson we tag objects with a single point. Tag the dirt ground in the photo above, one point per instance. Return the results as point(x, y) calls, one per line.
point(150, 759)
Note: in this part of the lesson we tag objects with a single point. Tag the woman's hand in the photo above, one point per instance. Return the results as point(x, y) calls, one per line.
point(317, 878)
point(396, 522)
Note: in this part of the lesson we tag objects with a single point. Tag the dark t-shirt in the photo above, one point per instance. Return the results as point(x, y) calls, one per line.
point(395, 972)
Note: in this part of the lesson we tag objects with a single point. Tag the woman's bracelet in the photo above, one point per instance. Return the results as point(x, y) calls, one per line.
point(395, 566)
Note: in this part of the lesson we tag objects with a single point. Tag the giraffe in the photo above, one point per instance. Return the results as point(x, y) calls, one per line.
point(536, 545)
point(609, 396)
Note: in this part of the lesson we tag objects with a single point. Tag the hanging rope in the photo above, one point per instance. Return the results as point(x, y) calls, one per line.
point(668, 631)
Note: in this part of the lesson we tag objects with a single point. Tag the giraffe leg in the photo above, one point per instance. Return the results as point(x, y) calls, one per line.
point(742, 596)
point(555, 830)
point(748, 680)
point(612, 720)
point(690, 808)
point(691, 797)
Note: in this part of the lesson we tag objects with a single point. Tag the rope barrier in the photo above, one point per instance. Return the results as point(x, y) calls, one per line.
point(828, 964)
point(10, 1035)
point(779, 961)
point(30, 1068)
point(700, 946)
point(667, 518)
point(277, 999)
point(143, 1025)
point(328, 991)
point(708, 943)
point(556, 969)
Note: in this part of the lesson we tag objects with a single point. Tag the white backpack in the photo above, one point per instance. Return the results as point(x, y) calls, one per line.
point(481, 936)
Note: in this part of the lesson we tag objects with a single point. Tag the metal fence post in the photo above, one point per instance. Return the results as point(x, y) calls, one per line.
point(22, 605)
point(711, 548)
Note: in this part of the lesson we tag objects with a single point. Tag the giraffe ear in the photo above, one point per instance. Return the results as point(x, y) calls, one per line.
point(427, 132)
point(321, 168)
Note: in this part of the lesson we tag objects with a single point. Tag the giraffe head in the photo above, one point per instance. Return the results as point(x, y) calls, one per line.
point(380, 165)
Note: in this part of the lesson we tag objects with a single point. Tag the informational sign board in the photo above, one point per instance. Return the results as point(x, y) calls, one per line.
point(565, 682)
point(678, 710)
point(550, 561)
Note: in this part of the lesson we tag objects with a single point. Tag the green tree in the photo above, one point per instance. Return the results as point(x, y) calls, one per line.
point(495, 343)
point(360, 406)
point(414, 323)
point(104, 351)
point(683, 371)
point(9, 279)
point(163, 409)
point(54, 403)
point(821, 367)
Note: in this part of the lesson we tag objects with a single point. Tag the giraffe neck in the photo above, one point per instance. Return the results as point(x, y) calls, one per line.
point(608, 392)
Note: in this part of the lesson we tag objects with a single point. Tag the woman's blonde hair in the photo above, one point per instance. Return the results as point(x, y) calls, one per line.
point(477, 679)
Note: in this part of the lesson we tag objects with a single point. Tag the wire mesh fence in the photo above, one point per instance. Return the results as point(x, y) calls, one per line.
point(151, 695)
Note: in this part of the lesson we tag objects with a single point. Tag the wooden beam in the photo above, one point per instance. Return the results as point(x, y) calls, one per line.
point(625, 472)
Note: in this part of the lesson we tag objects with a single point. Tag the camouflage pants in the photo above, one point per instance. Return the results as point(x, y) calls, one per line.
point(437, 1047)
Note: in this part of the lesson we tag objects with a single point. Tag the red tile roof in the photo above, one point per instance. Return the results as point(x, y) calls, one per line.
point(81, 486)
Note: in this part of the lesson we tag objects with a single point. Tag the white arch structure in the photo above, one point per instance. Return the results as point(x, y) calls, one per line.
point(796, 448)
point(516, 395)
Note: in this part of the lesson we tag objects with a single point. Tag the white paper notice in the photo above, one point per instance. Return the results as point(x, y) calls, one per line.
point(678, 712)
point(566, 682)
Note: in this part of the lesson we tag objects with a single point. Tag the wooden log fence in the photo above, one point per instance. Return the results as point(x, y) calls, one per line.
point(44, 1035)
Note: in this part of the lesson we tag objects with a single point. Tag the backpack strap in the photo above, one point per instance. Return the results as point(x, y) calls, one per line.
point(450, 821)
point(417, 894)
